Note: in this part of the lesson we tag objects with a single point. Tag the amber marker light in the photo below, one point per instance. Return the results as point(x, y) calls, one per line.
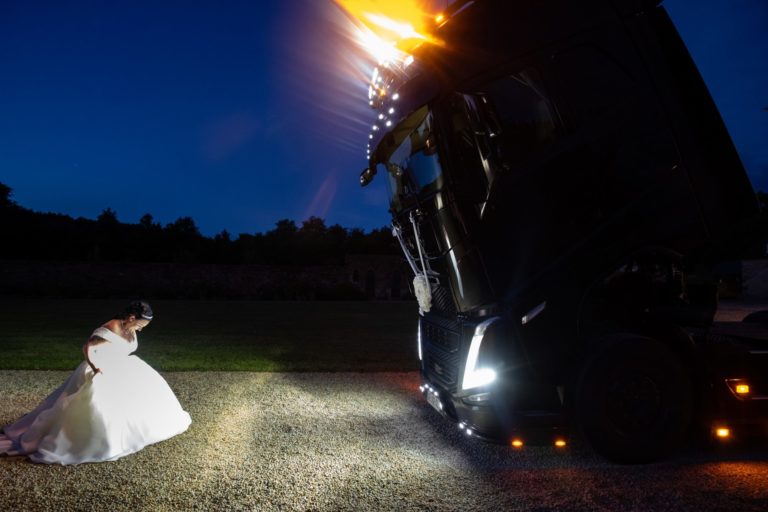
point(560, 443)
point(739, 387)
point(517, 443)
point(742, 389)
point(439, 18)
point(723, 433)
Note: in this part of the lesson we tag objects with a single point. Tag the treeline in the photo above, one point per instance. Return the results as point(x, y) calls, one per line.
point(31, 235)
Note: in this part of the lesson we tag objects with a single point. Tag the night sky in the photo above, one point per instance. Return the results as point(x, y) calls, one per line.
point(239, 114)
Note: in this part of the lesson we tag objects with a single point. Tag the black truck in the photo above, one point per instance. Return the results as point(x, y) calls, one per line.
point(564, 189)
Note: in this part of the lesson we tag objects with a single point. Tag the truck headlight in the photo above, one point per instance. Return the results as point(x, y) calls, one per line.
point(475, 376)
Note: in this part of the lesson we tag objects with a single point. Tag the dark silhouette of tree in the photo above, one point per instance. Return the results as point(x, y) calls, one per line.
point(107, 218)
point(284, 228)
point(110, 236)
point(185, 241)
point(50, 236)
point(313, 242)
point(5, 196)
point(148, 222)
point(183, 226)
point(314, 225)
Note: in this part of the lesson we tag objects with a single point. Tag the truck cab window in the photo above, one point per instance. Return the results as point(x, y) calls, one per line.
point(410, 160)
point(500, 127)
point(472, 174)
point(510, 120)
point(527, 119)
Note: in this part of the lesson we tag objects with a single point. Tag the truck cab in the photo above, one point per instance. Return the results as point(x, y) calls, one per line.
point(563, 188)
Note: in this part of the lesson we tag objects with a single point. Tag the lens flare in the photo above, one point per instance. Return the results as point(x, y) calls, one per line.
point(390, 30)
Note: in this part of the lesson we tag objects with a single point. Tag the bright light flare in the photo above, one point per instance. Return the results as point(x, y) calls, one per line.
point(390, 30)
point(403, 30)
point(380, 49)
point(517, 443)
point(560, 443)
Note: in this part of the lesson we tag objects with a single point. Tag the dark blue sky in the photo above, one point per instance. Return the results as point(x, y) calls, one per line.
point(239, 114)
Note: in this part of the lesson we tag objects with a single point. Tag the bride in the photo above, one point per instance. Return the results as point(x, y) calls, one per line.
point(112, 405)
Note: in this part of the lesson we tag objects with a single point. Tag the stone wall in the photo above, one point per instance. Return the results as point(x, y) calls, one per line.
point(361, 277)
point(381, 277)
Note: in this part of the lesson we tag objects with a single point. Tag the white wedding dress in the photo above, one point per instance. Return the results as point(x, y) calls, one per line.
point(101, 417)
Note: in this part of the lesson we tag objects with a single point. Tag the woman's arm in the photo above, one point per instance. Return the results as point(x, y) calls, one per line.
point(91, 351)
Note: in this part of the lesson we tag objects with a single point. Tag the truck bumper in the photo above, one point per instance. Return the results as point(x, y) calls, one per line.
point(493, 419)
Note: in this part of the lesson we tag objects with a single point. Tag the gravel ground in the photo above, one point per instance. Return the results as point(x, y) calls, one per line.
point(352, 441)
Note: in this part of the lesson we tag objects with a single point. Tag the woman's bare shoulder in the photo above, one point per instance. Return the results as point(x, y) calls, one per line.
point(112, 325)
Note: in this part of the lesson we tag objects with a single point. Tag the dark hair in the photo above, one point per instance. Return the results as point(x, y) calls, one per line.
point(138, 309)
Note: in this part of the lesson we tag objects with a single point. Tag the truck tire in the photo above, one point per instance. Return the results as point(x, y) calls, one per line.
point(634, 400)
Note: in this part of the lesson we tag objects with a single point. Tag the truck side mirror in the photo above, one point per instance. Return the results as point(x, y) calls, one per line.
point(367, 176)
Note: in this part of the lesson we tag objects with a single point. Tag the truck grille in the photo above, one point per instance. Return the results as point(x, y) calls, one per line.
point(442, 301)
point(440, 342)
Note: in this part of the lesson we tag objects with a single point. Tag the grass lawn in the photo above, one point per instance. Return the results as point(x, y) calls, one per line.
point(48, 334)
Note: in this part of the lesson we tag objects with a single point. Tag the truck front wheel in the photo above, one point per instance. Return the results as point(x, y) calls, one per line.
point(634, 400)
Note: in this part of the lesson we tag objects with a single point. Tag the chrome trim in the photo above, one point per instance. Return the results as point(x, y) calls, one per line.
point(409, 258)
point(417, 236)
point(533, 313)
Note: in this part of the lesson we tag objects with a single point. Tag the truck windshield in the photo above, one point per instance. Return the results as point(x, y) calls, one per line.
point(408, 157)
